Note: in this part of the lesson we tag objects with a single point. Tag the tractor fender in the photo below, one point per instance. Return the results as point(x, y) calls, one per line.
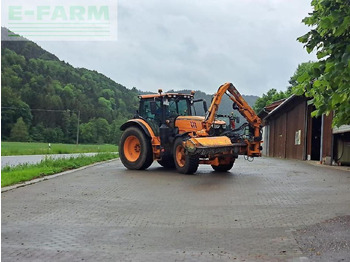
point(138, 123)
point(183, 135)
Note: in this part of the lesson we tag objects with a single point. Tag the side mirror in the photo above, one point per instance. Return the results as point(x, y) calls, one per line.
point(153, 107)
point(205, 107)
point(234, 106)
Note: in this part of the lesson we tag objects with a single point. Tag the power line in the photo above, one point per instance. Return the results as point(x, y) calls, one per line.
point(41, 109)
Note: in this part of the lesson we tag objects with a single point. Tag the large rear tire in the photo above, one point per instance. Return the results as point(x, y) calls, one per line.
point(184, 163)
point(223, 168)
point(135, 149)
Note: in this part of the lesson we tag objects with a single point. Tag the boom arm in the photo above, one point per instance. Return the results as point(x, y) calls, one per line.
point(242, 106)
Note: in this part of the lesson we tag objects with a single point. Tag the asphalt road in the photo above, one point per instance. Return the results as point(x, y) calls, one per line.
point(33, 159)
point(256, 212)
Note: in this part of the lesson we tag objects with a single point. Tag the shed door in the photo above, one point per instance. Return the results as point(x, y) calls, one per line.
point(281, 136)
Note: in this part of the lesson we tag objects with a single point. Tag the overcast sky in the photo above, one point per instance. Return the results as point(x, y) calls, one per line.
point(198, 44)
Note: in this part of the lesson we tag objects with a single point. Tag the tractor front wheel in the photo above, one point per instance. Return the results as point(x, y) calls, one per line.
point(135, 149)
point(184, 163)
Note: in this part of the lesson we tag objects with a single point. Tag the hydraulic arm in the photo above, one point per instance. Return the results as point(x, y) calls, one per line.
point(239, 104)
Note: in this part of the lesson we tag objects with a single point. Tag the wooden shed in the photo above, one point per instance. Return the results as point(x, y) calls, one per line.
point(291, 132)
point(286, 128)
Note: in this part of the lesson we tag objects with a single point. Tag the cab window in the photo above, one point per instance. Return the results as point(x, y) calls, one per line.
point(179, 107)
point(145, 109)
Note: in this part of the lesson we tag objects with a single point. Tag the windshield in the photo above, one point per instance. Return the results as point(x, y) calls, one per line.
point(177, 106)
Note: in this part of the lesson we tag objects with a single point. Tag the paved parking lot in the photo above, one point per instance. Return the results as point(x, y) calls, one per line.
point(108, 213)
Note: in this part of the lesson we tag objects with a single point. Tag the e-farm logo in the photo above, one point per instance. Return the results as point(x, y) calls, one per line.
point(60, 20)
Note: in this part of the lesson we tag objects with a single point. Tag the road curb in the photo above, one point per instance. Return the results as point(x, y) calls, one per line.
point(313, 163)
point(37, 180)
point(318, 164)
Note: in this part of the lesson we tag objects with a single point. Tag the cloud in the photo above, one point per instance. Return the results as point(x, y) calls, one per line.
point(198, 45)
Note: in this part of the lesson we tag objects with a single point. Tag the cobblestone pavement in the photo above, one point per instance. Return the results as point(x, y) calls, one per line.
point(108, 213)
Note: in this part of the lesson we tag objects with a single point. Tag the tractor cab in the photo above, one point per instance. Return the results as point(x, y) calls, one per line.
point(164, 108)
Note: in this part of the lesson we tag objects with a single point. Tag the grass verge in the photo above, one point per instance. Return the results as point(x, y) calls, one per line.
point(26, 148)
point(48, 166)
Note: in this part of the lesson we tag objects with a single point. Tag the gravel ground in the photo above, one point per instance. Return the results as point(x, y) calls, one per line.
point(326, 241)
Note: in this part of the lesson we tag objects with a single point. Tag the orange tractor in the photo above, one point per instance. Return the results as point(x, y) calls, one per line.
point(166, 129)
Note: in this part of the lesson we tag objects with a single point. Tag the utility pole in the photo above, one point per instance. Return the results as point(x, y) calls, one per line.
point(78, 127)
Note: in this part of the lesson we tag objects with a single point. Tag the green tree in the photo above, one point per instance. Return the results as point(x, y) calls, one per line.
point(102, 130)
point(115, 132)
point(104, 103)
point(271, 96)
point(73, 126)
point(301, 69)
point(328, 81)
point(19, 131)
point(87, 133)
point(13, 108)
point(37, 133)
point(53, 135)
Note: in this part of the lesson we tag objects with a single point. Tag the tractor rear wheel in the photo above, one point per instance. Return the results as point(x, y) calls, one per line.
point(224, 168)
point(135, 149)
point(184, 163)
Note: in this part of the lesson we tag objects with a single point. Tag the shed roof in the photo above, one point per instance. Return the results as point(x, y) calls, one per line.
point(282, 105)
point(273, 105)
point(267, 109)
